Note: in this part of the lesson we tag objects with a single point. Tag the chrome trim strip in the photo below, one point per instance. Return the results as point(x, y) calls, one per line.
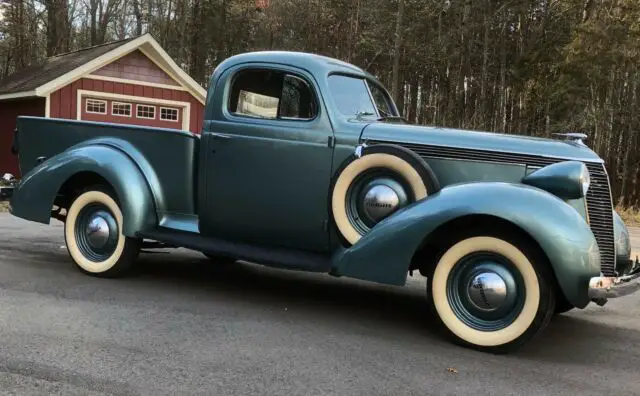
point(544, 156)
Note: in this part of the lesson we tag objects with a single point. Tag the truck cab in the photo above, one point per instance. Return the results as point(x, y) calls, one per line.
point(304, 162)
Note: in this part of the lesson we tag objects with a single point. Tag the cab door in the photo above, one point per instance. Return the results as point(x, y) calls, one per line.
point(268, 161)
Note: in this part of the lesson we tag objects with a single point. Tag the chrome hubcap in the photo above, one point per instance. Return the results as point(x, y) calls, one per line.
point(97, 231)
point(487, 291)
point(380, 201)
point(379, 198)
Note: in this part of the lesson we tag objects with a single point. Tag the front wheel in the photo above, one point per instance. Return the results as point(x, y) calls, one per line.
point(491, 291)
point(93, 235)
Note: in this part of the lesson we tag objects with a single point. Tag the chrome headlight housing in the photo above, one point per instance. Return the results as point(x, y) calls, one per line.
point(567, 180)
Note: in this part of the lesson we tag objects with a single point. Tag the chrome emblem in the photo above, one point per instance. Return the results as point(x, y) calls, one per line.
point(380, 201)
point(487, 291)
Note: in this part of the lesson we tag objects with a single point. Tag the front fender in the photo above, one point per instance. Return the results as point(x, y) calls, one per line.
point(385, 253)
point(34, 196)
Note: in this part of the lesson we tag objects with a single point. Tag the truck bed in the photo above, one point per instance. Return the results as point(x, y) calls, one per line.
point(172, 153)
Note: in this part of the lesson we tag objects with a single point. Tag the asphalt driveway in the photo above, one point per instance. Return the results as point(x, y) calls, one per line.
point(186, 326)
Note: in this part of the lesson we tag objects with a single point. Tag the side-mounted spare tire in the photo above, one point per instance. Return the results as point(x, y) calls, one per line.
point(375, 183)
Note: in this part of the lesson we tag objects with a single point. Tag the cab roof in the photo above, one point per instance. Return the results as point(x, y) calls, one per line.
point(314, 63)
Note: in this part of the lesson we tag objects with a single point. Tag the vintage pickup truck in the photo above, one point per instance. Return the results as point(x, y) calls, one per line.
point(305, 163)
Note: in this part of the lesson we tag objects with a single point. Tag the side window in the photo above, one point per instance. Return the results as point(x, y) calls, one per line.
point(271, 94)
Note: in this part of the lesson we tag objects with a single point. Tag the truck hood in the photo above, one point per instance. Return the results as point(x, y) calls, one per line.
point(490, 141)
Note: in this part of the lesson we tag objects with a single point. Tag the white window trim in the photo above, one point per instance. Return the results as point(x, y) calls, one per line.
point(146, 105)
point(86, 105)
point(136, 82)
point(121, 103)
point(169, 108)
point(184, 106)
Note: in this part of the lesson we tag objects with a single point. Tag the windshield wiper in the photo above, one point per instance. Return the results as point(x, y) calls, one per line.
point(393, 118)
point(383, 118)
point(364, 113)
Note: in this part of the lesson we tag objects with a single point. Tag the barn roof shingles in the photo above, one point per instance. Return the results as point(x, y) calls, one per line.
point(53, 67)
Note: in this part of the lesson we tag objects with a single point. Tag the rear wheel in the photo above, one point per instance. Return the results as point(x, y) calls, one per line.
point(491, 291)
point(93, 234)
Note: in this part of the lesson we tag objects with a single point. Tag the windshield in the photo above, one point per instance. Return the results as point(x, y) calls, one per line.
point(355, 97)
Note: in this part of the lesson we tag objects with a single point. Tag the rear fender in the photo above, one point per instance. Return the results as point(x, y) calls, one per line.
point(34, 196)
point(385, 253)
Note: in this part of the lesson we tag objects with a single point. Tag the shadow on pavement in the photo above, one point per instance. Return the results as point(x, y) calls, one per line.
point(402, 310)
point(303, 294)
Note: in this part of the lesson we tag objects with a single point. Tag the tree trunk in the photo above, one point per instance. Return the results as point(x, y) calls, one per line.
point(137, 12)
point(396, 53)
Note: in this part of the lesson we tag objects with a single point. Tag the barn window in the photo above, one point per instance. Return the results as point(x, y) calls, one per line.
point(168, 114)
point(145, 111)
point(96, 106)
point(121, 109)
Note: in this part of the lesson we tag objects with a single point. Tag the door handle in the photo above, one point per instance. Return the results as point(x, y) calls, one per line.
point(221, 136)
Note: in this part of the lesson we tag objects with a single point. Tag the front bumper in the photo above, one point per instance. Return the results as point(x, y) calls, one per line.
point(601, 288)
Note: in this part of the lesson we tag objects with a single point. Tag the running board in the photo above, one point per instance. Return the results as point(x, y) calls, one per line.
point(270, 256)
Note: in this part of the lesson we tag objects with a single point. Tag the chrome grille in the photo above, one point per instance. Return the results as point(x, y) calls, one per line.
point(599, 204)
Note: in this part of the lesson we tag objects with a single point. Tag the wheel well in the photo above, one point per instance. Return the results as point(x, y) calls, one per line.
point(433, 246)
point(71, 188)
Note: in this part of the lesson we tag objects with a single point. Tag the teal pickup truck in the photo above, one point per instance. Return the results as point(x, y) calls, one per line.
point(305, 163)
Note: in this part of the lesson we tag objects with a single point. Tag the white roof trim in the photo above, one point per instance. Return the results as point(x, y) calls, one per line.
point(136, 82)
point(153, 51)
point(16, 95)
point(184, 78)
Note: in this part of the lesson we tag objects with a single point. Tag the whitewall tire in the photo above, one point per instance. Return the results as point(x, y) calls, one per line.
point(93, 235)
point(369, 188)
point(491, 292)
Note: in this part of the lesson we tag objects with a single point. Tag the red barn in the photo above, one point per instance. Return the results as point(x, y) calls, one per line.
point(133, 81)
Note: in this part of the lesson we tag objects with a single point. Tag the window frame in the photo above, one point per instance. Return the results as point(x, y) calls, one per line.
point(145, 105)
point(169, 108)
point(86, 105)
point(235, 73)
point(390, 103)
point(113, 103)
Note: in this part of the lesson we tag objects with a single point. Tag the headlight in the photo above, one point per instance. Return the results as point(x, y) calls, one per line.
point(566, 180)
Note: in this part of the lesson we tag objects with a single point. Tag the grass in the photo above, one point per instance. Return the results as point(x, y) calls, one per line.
point(631, 216)
point(4, 206)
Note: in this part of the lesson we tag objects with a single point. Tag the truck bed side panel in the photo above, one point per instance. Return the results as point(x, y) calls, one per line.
point(171, 153)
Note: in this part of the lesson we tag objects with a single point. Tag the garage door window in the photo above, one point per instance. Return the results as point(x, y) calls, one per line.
point(95, 106)
point(168, 114)
point(147, 112)
point(121, 109)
